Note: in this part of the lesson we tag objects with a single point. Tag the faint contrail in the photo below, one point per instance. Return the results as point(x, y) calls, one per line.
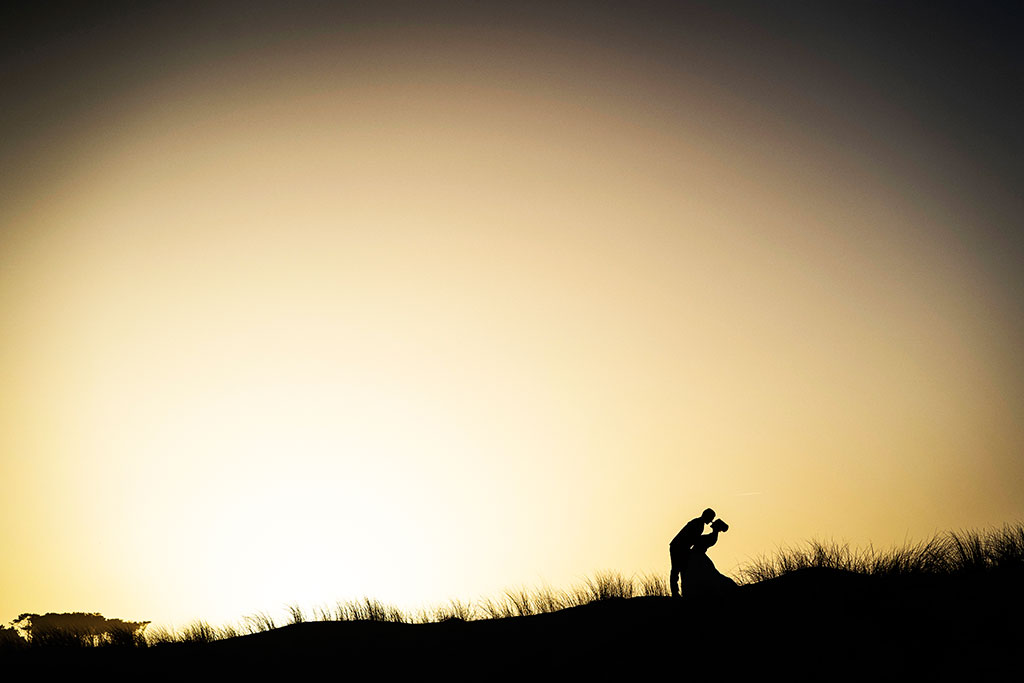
point(751, 493)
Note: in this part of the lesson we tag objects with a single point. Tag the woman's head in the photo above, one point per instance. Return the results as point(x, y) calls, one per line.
point(719, 525)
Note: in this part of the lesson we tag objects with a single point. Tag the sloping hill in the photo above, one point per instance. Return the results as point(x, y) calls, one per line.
point(808, 624)
point(946, 609)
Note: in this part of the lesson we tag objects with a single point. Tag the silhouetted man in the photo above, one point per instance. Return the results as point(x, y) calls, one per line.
point(679, 548)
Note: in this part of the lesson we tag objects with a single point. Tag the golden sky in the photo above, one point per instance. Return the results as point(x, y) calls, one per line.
point(310, 304)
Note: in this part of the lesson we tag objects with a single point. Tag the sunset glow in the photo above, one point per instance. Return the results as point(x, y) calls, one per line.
point(425, 308)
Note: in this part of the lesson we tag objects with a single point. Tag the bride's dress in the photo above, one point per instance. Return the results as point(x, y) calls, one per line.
point(701, 576)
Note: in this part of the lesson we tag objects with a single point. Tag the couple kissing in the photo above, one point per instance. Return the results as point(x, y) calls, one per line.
point(692, 569)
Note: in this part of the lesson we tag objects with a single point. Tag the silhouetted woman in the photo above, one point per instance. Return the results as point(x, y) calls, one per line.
point(701, 577)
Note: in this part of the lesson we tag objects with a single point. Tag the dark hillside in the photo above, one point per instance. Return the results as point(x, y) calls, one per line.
point(813, 623)
point(947, 609)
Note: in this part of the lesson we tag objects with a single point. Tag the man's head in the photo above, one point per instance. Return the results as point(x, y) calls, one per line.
point(707, 516)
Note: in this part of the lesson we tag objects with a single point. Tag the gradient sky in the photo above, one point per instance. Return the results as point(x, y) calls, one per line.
point(426, 301)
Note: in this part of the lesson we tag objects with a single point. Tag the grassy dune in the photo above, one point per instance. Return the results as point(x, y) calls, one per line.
point(943, 605)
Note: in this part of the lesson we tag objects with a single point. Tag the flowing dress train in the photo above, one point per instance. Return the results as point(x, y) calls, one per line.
point(701, 576)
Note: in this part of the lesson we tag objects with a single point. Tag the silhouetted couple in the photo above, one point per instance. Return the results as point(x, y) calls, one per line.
point(691, 565)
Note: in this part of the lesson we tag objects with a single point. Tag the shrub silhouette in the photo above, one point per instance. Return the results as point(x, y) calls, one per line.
point(79, 629)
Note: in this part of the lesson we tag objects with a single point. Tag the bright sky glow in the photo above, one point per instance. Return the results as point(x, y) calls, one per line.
point(317, 322)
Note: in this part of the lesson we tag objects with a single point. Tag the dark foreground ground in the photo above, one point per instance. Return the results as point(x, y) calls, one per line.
point(813, 624)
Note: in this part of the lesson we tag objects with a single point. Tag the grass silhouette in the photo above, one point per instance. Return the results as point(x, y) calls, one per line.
point(946, 554)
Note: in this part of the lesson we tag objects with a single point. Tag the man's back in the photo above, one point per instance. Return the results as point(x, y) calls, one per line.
point(689, 534)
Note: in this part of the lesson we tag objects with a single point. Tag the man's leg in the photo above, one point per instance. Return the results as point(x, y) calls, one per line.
point(682, 576)
point(674, 576)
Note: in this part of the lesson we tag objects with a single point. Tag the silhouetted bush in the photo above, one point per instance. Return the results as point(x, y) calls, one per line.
point(10, 640)
point(79, 629)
